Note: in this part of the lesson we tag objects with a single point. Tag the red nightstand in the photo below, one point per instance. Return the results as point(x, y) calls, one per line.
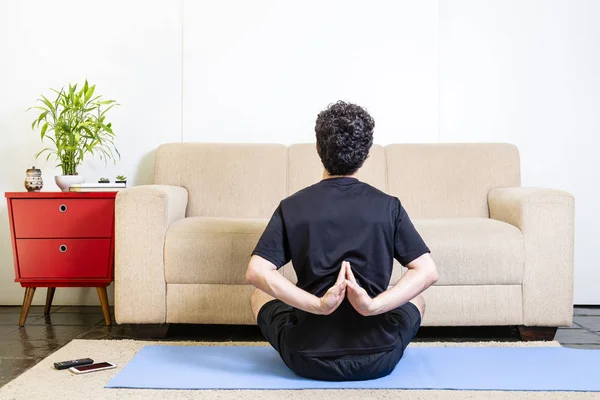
point(62, 239)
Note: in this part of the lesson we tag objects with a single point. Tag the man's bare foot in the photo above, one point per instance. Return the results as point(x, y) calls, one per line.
point(258, 298)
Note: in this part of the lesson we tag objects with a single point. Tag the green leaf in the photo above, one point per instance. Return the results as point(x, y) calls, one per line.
point(110, 151)
point(94, 99)
point(62, 113)
point(106, 155)
point(105, 102)
point(43, 150)
point(42, 116)
point(87, 130)
point(38, 107)
point(47, 102)
point(108, 108)
point(77, 137)
point(89, 92)
point(44, 128)
point(108, 129)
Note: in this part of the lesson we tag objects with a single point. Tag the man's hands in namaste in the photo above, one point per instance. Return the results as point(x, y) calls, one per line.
point(346, 285)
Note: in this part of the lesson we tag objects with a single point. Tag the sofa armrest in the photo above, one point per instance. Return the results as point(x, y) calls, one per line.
point(142, 216)
point(546, 218)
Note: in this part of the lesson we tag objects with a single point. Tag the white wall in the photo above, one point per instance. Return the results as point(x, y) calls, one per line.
point(524, 72)
point(528, 73)
point(261, 70)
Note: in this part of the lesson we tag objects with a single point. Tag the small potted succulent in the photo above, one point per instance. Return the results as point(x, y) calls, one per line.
point(121, 179)
point(103, 180)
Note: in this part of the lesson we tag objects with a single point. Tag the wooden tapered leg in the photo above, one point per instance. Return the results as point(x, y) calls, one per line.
point(49, 298)
point(104, 303)
point(531, 333)
point(29, 292)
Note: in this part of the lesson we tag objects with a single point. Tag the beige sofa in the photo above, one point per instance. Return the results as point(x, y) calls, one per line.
point(504, 252)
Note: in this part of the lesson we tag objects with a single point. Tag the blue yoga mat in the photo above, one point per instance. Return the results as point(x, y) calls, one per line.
point(462, 368)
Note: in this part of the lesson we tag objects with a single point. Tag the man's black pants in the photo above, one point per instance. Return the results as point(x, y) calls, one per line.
point(274, 315)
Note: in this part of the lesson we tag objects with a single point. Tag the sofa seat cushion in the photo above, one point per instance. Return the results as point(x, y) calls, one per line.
point(209, 250)
point(474, 251)
point(467, 251)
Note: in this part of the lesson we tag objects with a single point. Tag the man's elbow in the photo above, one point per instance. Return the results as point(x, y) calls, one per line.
point(432, 275)
point(251, 275)
point(429, 270)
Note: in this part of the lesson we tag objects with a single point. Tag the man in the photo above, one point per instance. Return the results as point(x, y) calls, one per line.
point(341, 322)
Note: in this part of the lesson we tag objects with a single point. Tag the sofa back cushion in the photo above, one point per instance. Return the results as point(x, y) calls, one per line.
point(449, 180)
point(225, 179)
point(249, 180)
point(305, 168)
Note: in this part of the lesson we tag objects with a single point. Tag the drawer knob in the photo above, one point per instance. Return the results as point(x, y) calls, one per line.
point(62, 208)
point(62, 248)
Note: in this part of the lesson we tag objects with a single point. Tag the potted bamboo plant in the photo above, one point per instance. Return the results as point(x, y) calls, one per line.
point(75, 123)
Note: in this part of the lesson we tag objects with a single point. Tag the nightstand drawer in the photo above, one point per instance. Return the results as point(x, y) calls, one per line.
point(63, 258)
point(55, 218)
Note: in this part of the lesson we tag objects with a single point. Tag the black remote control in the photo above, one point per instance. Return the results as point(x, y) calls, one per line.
point(73, 363)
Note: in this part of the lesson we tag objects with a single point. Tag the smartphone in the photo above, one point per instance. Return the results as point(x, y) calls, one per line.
point(84, 369)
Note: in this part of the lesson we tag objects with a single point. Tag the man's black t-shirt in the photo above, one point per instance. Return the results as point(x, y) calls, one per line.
point(335, 220)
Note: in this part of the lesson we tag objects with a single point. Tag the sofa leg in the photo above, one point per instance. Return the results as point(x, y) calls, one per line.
point(531, 333)
point(150, 331)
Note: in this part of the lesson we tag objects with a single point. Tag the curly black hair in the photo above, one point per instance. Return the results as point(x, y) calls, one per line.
point(344, 137)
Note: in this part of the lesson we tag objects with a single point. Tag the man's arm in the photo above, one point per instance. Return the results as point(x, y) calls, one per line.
point(263, 275)
point(421, 274)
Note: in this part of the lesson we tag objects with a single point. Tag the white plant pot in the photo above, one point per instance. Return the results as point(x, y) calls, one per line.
point(64, 182)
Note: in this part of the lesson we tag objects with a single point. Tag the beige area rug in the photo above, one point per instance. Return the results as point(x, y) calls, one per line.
point(44, 382)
